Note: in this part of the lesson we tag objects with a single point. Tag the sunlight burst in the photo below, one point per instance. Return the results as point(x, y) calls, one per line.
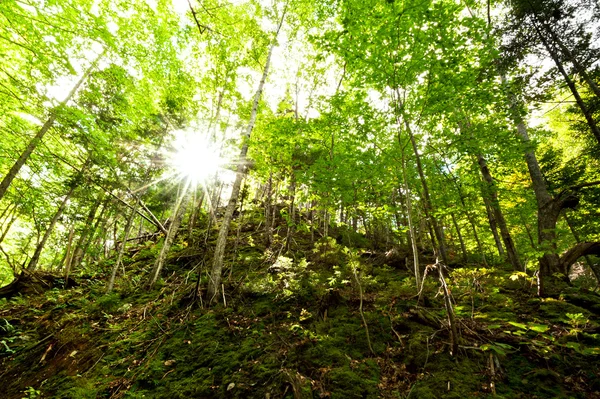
point(195, 157)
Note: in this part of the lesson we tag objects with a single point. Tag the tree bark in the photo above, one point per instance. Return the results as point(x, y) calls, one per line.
point(411, 229)
point(35, 141)
point(128, 226)
point(178, 213)
point(580, 69)
point(67, 259)
point(38, 250)
point(493, 226)
point(194, 216)
point(549, 209)
point(214, 285)
point(492, 194)
point(291, 212)
point(90, 237)
point(86, 230)
point(571, 85)
point(69, 253)
point(269, 212)
point(8, 225)
point(577, 251)
point(593, 267)
point(463, 248)
point(427, 206)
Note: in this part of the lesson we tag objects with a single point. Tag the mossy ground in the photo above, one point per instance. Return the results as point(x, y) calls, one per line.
point(292, 329)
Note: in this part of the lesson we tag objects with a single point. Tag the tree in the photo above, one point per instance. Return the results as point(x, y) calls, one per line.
point(214, 286)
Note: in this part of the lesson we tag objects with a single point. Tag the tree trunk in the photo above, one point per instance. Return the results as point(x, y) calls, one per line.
point(67, 258)
point(549, 209)
point(479, 245)
point(463, 248)
point(571, 85)
point(194, 216)
point(69, 253)
point(569, 55)
point(214, 285)
point(128, 226)
point(86, 230)
point(178, 213)
point(411, 229)
point(291, 212)
point(8, 226)
point(269, 212)
point(493, 227)
point(593, 267)
point(90, 238)
point(38, 250)
point(35, 141)
point(427, 206)
point(468, 215)
point(492, 195)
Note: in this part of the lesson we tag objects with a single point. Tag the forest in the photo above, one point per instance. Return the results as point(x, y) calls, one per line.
point(299, 199)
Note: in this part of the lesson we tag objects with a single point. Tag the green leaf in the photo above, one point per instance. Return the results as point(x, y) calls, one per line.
point(519, 325)
point(541, 328)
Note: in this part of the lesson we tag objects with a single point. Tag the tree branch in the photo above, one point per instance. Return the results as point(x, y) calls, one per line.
point(201, 28)
point(577, 251)
point(583, 185)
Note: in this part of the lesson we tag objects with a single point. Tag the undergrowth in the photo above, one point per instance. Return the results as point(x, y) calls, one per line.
point(291, 328)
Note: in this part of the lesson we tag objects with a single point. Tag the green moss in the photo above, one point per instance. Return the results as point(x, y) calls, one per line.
point(358, 382)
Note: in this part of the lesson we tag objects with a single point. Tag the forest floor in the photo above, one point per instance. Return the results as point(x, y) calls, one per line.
point(291, 328)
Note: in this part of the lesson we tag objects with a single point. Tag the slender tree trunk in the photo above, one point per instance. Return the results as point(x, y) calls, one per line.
point(38, 250)
point(468, 215)
point(128, 226)
point(454, 336)
point(571, 85)
point(269, 212)
point(291, 212)
point(86, 230)
point(69, 253)
point(528, 231)
point(311, 216)
point(217, 267)
point(549, 208)
point(492, 194)
point(35, 141)
point(580, 69)
point(479, 245)
point(9, 210)
point(409, 217)
point(493, 226)
point(100, 219)
point(463, 248)
point(178, 213)
point(8, 226)
point(194, 216)
point(427, 206)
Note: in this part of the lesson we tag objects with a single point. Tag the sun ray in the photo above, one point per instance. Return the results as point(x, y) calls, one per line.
point(194, 157)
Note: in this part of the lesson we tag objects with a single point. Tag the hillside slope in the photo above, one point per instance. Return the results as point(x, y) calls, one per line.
point(291, 327)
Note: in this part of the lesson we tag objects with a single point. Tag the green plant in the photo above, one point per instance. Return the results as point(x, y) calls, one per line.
point(7, 327)
point(31, 393)
point(577, 321)
point(289, 276)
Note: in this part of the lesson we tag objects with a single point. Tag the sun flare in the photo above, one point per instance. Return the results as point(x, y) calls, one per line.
point(194, 157)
